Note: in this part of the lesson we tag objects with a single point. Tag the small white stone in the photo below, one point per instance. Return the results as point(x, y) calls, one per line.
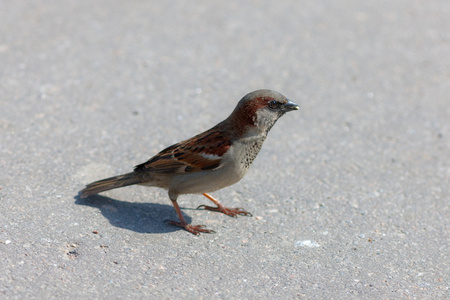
point(307, 244)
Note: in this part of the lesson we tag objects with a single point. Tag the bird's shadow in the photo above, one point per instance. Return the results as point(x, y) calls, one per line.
point(138, 217)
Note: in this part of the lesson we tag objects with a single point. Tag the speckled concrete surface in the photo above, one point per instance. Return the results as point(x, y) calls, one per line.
point(350, 195)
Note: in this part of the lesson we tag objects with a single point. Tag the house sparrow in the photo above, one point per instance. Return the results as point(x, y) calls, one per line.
point(209, 161)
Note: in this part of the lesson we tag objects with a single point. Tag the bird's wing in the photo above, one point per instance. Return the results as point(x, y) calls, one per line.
point(202, 152)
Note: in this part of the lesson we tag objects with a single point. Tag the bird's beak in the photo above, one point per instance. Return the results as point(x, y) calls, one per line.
point(288, 106)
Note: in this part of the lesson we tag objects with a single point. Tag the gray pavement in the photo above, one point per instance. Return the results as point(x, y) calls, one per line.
point(349, 195)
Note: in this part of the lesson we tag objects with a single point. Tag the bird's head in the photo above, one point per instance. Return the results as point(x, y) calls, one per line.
point(260, 109)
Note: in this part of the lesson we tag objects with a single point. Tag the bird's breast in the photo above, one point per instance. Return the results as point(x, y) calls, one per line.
point(247, 149)
point(233, 167)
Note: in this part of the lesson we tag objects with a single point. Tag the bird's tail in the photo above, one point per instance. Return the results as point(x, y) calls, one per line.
point(110, 183)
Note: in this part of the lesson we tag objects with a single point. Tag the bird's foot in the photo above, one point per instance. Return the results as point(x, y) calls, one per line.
point(232, 212)
point(195, 229)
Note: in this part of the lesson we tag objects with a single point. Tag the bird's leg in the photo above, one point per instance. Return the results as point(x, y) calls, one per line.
point(232, 212)
point(195, 229)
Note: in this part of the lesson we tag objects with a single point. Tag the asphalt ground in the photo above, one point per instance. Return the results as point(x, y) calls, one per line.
point(349, 195)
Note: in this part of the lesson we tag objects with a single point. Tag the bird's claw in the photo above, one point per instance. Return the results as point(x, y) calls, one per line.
point(232, 212)
point(195, 229)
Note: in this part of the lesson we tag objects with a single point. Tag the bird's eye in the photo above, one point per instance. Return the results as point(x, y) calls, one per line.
point(274, 104)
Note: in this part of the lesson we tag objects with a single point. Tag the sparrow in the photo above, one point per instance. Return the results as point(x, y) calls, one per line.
point(209, 161)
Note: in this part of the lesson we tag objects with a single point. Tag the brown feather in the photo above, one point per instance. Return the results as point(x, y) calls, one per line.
point(190, 155)
point(110, 183)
